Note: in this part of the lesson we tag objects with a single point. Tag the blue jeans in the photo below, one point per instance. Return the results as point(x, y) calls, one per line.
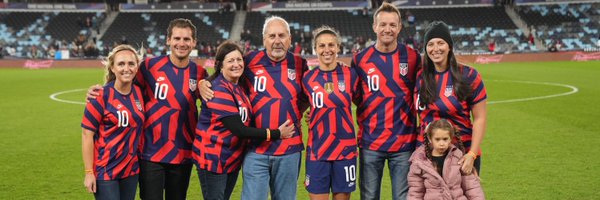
point(371, 171)
point(217, 186)
point(262, 173)
point(117, 189)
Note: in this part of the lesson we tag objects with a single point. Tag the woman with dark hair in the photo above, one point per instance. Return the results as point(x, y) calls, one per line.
point(331, 147)
point(112, 126)
point(219, 144)
point(447, 89)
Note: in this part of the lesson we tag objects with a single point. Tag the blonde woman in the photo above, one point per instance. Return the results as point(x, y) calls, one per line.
point(112, 125)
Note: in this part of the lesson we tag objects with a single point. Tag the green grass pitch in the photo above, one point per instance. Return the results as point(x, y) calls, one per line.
point(541, 148)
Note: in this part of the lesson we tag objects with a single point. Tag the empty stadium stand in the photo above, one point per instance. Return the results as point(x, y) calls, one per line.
point(151, 28)
point(575, 26)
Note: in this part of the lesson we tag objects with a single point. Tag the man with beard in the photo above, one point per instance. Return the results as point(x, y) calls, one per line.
point(169, 84)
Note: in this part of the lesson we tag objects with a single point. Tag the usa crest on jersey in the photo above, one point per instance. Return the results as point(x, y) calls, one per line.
point(342, 86)
point(292, 74)
point(307, 180)
point(448, 91)
point(138, 104)
point(403, 69)
point(193, 84)
point(329, 87)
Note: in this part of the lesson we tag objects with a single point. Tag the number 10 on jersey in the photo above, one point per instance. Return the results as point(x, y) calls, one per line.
point(260, 83)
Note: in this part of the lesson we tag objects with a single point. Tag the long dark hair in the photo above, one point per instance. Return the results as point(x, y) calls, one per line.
point(222, 50)
point(442, 124)
point(428, 92)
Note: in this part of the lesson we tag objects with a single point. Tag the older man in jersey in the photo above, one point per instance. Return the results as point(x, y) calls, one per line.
point(273, 82)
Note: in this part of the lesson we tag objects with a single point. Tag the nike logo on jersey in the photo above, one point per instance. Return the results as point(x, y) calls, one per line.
point(371, 71)
point(260, 71)
point(160, 78)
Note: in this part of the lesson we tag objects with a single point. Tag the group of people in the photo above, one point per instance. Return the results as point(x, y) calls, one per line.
point(414, 115)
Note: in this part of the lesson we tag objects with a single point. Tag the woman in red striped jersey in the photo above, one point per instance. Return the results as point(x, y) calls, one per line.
point(219, 145)
point(112, 125)
point(331, 147)
point(447, 89)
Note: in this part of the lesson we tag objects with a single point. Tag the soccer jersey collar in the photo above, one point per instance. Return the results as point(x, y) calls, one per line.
point(388, 53)
point(112, 85)
point(175, 66)
point(327, 71)
point(442, 72)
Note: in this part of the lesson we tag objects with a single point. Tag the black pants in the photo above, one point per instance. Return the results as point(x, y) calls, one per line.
point(155, 178)
point(477, 165)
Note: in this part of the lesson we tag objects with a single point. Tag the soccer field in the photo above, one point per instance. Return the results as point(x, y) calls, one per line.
point(542, 138)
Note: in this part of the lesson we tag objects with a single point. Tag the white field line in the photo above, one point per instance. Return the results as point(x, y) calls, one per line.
point(573, 91)
point(54, 96)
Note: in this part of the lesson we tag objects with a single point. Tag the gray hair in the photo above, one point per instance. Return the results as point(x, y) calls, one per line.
point(273, 18)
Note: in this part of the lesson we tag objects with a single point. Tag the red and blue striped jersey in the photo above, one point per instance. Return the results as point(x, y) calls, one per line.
point(448, 106)
point(275, 90)
point(117, 121)
point(217, 149)
point(171, 113)
point(386, 115)
point(331, 133)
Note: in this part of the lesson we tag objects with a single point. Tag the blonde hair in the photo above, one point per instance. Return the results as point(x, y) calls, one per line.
point(387, 7)
point(109, 61)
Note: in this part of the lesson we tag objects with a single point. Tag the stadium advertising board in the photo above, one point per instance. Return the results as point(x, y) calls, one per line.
point(191, 6)
point(58, 6)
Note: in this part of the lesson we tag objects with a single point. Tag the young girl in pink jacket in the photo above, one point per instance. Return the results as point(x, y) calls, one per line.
point(434, 170)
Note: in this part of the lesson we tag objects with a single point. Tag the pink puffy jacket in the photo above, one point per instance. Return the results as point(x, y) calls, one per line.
point(424, 182)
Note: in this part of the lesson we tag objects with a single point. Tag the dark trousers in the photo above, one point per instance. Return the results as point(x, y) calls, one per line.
point(117, 189)
point(155, 178)
point(477, 165)
point(217, 186)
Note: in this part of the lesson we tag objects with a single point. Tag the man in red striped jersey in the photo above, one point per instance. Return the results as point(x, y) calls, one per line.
point(386, 117)
point(273, 81)
point(169, 84)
